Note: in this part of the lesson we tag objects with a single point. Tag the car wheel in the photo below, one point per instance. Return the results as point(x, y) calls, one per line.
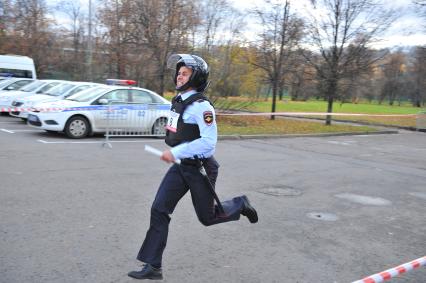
point(77, 127)
point(159, 127)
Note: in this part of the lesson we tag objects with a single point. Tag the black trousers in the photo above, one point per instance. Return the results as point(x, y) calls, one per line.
point(171, 190)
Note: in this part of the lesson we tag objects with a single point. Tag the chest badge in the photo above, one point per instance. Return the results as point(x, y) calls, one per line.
point(208, 117)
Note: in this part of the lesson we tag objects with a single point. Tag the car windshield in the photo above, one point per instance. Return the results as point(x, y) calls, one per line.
point(32, 86)
point(47, 87)
point(5, 83)
point(59, 89)
point(88, 94)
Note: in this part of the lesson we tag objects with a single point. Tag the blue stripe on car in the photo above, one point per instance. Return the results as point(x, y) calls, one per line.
point(119, 107)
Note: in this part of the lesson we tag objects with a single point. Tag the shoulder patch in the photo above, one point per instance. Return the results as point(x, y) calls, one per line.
point(208, 117)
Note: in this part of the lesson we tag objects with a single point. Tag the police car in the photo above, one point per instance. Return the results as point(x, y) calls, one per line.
point(10, 85)
point(13, 84)
point(21, 104)
point(94, 110)
point(37, 86)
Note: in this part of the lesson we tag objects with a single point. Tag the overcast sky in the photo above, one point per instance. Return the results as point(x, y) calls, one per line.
point(408, 30)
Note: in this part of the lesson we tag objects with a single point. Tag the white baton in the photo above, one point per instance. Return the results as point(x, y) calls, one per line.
point(157, 152)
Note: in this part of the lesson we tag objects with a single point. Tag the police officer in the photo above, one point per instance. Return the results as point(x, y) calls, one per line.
point(192, 133)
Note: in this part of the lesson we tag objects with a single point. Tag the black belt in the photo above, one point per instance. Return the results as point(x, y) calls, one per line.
point(192, 162)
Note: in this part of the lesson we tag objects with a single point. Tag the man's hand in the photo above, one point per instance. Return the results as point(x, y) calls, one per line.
point(167, 156)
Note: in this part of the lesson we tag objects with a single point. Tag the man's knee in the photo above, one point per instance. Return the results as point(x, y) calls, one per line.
point(206, 221)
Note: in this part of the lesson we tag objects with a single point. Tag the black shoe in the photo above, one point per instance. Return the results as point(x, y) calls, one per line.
point(248, 210)
point(147, 272)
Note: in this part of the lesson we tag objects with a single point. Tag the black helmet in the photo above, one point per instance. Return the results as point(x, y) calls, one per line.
point(200, 70)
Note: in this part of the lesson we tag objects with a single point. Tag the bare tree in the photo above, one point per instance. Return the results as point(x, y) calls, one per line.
point(115, 16)
point(76, 28)
point(418, 96)
point(281, 33)
point(302, 81)
point(29, 32)
point(354, 23)
point(5, 19)
point(393, 71)
point(213, 14)
point(226, 57)
point(162, 27)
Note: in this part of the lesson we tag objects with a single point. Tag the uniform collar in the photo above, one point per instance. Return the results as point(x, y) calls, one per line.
point(187, 94)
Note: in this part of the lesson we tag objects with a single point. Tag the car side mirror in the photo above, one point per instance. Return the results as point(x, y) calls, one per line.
point(103, 101)
point(10, 88)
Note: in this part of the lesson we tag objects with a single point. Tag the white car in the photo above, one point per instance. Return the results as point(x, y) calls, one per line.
point(96, 109)
point(12, 84)
point(21, 105)
point(37, 86)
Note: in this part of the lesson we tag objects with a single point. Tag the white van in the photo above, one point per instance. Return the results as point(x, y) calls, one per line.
point(17, 66)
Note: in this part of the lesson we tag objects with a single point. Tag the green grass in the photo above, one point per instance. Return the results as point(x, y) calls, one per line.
point(361, 108)
point(241, 125)
point(321, 106)
point(252, 125)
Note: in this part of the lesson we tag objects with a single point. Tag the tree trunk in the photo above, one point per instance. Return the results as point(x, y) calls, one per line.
point(332, 89)
point(329, 110)
point(274, 98)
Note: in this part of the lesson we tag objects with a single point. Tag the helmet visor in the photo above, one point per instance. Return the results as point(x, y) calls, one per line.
point(187, 59)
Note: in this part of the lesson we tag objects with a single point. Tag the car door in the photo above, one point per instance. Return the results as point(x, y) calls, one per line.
point(115, 113)
point(144, 108)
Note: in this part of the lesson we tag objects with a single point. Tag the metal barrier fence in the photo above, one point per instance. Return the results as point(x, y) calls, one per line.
point(421, 121)
point(131, 120)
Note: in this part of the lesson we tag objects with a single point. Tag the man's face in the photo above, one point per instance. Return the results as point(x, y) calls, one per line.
point(183, 76)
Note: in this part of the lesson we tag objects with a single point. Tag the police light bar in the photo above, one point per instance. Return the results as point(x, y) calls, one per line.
point(120, 82)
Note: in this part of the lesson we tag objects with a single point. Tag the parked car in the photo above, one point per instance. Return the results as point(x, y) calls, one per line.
point(12, 84)
point(21, 105)
point(89, 111)
point(37, 86)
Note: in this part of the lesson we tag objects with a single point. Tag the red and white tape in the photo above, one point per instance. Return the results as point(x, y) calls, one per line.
point(392, 272)
point(28, 109)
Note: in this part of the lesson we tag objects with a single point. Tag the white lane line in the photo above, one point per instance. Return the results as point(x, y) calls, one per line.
point(13, 130)
point(43, 141)
point(7, 131)
point(341, 142)
point(91, 142)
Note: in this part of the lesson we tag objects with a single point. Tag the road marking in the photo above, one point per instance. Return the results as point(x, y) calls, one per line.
point(7, 131)
point(366, 200)
point(13, 131)
point(26, 130)
point(91, 142)
point(57, 142)
point(341, 142)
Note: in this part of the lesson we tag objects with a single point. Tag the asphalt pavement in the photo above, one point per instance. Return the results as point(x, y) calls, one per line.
point(331, 209)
